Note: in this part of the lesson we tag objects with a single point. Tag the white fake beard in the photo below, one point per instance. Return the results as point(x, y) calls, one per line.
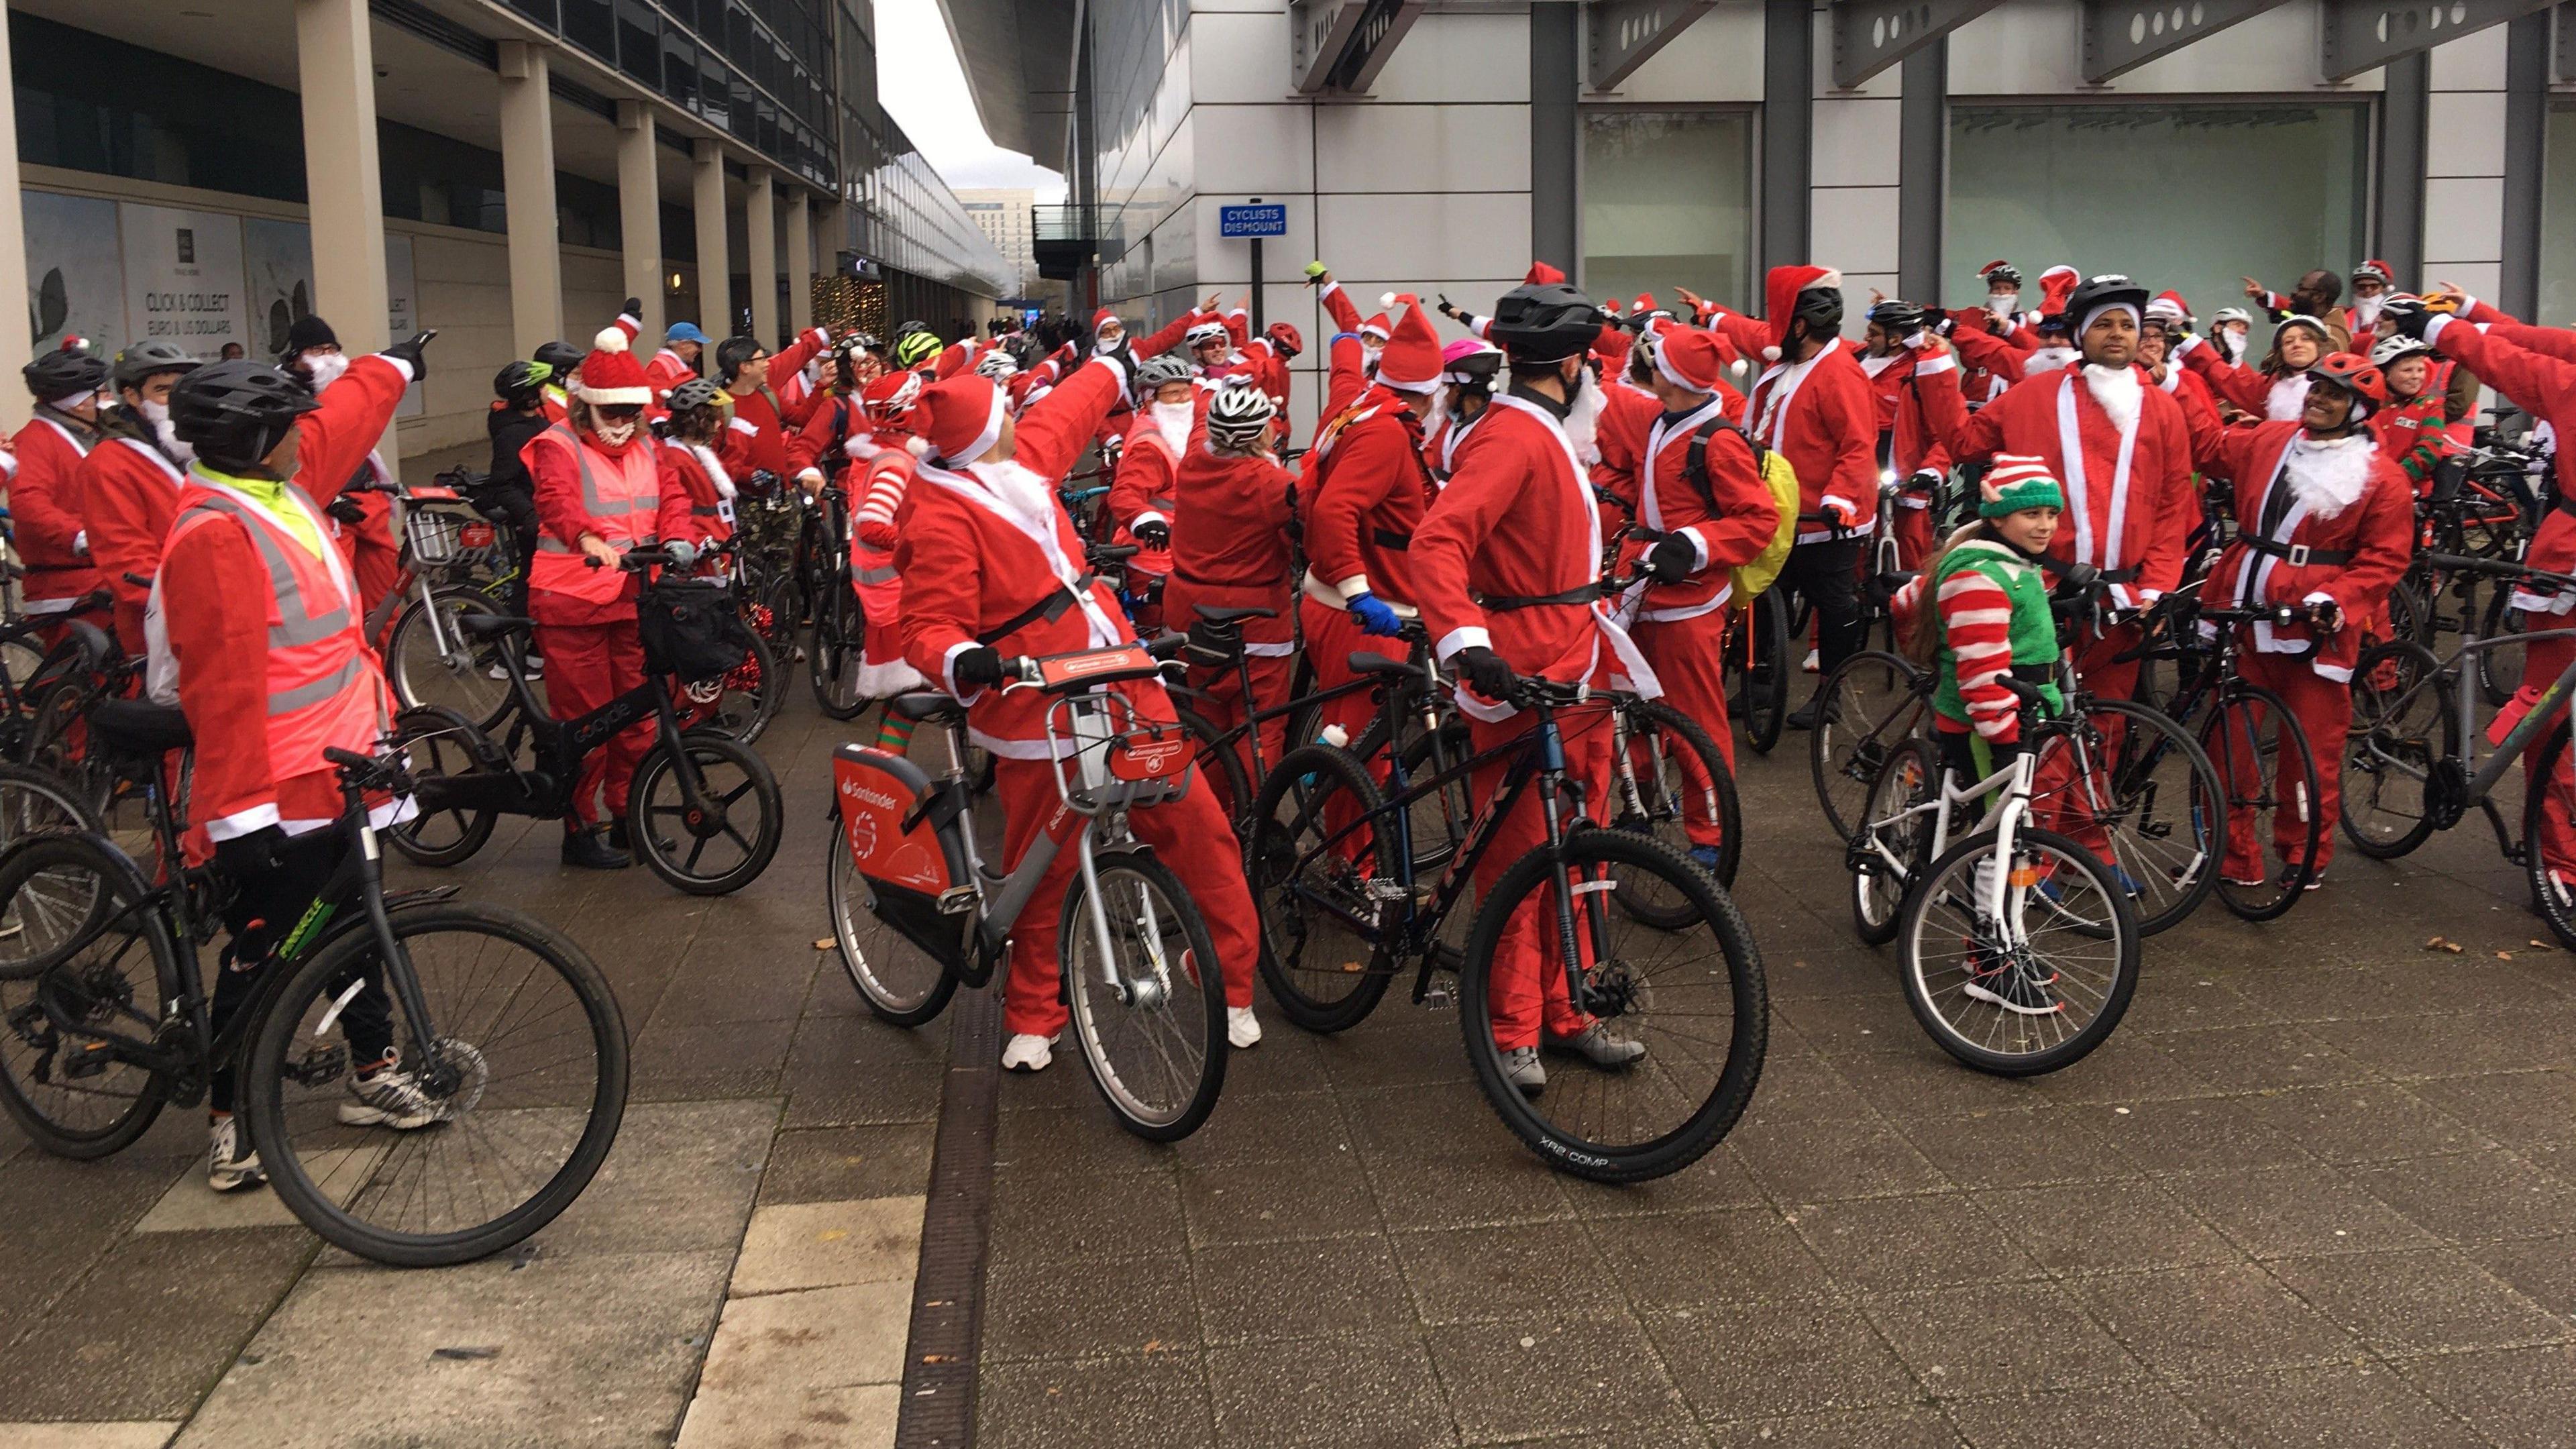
point(2365, 311)
point(2049, 359)
point(2119, 392)
point(2002, 303)
point(615, 435)
point(2230, 344)
point(1583, 420)
point(158, 415)
point(1878, 364)
point(1020, 491)
point(325, 368)
point(716, 473)
point(2328, 474)
point(1368, 357)
point(2288, 400)
point(1173, 421)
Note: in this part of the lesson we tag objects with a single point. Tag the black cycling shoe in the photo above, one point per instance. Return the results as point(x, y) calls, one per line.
point(585, 850)
point(618, 839)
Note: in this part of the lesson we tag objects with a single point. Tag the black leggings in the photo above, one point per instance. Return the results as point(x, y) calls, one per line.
point(263, 910)
point(1826, 573)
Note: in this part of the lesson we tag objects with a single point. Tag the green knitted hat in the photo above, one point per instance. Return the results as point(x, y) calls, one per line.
point(2016, 481)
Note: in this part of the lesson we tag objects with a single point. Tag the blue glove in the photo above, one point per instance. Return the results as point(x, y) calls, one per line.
point(1375, 616)
point(683, 554)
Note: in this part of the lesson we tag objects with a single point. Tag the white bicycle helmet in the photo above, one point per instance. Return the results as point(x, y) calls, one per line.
point(1238, 415)
point(996, 364)
point(2397, 347)
point(1203, 333)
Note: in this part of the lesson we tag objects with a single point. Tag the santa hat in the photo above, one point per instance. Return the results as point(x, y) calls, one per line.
point(2056, 285)
point(1376, 326)
point(1690, 359)
point(1997, 265)
point(961, 416)
point(2168, 307)
point(1780, 298)
point(2015, 481)
point(2375, 268)
point(610, 375)
point(1541, 275)
point(1611, 306)
point(1411, 360)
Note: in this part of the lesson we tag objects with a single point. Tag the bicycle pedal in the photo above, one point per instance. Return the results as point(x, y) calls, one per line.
point(87, 1059)
point(1437, 997)
point(957, 900)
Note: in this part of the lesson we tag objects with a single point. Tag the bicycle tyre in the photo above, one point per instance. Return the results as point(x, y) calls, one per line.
point(1311, 776)
point(2383, 751)
point(1713, 1116)
point(832, 657)
point(1722, 805)
point(56, 746)
point(1221, 764)
point(1872, 703)
point(420, 675)
point(19, 1033)
point(2134, 844)
point(2559, 911)
point(2500, 670)
point(1437, 822)
point(316, 978)
point(1086, 997)
point(1935, 890)
point(844, 897)
point(1914, 768)
point(658, 851)
point(440, 743)
point(1766, 679)
point(2272, 899)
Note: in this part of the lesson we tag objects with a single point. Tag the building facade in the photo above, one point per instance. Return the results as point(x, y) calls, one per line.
point(1003, 214)
point(1440, 145)
point(503, 173)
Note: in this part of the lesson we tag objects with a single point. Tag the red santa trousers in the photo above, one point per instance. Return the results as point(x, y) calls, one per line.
point(2324, 711)
point(1528, 984)
point(1221, 703)
point(2544, 660)
point(1689, 656)
point(1190, 835)
point(587, 665)
point(1332, 637)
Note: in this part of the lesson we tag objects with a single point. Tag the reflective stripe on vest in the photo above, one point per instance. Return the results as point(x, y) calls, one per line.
point(341, 705)
point(885, 575)
point(297, 625)
point(615, 513)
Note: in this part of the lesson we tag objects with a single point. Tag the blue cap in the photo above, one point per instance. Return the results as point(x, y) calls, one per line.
point(685, 332)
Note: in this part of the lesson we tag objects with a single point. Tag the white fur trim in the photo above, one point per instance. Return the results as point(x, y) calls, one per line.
point(610, 339)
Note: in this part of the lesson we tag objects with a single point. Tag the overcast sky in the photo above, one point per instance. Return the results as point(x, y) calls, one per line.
point(924, 89)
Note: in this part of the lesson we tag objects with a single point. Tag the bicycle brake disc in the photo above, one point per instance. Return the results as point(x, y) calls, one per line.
point(2446, 793)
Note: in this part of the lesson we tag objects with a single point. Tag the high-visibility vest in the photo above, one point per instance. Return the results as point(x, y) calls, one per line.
point(622, 494)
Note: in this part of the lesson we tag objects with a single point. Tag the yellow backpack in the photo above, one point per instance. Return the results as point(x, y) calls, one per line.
point(1778, 476)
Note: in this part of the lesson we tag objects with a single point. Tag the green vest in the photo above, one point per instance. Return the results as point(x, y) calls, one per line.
point(2034, 629)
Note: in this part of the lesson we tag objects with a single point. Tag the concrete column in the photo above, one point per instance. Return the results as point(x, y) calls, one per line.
point(1923, 141)
point(1788, 121)
point(1556, 140)
point(16, 341)
point(639, 214)
point(528, 196)
point(2526, 135)
point(2464, 164)
point(800, 262)
point(715, 269)
point(336, 69)
point(760, 238)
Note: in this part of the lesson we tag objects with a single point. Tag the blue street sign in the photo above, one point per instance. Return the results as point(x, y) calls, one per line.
point(1251, 221)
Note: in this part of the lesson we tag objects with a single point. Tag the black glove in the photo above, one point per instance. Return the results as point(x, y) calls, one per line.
point(2406, 316)
point(1883, 587)
point(1447, 307)
point(1485, 671)
point(346, 509)
point(1153, 534)
point(977, 668)
point(248, 857)
point(1673, 558)
point(409, 350)
point(634, 307)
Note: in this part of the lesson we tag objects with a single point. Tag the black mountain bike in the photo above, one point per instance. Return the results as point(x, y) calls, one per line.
point(512, 1032)
point(835, 640)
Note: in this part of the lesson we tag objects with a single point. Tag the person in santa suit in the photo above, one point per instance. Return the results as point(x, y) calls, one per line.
point(2326, 527)
point(2121, 448)
point(365, 519)
point(1263, 360)
point(1468, 368)
point(2314, 297)
point(2412, 428)
point(701, 511)
point(1813, 406)
point(50, 523)
point(1629, 408)
point(1362, 501)
point(677, 362)
point(756, 437)
point(602, 487)
point(268, 662)
point(1508, 562)
point(1999, 318)
point(1230, 550)
point(1704, 510)
point(992, 569)
point(819, 449)
point(1352, 352)
point(562, 362)
point(129, 482)
point(884, 454)
point(1912, 455)
point(2167, 322)
point(1170, 399)
point(2277, 391)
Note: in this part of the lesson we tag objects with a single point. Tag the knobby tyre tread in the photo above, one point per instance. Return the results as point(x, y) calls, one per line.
point(1270, 848)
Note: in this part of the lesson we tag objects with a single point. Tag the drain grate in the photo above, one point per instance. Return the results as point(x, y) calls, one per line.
point(938, 1410)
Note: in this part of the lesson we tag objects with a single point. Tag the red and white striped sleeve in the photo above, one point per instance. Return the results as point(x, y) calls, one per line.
point(1976, 624)
point(877, 509)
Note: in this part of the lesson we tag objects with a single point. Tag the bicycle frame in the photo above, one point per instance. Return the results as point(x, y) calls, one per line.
point(562, 745)
point(2006, 822)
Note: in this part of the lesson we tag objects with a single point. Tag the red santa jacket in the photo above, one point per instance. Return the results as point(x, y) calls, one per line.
point(665, 372)
point(1911, 447)
point(989, 557)
point(1728, 524)
point(2273, 399)
point(756, 436)
point(2130, 503)
point(2336, 521)
point(1346, 374)
point(46, 510)
point(1820, 416)
point(2545, 387)
point(1628, 413)
point(1141, 490)
point(1230, 544)
point(1362, 501)
point(821, 444)
point(563, 595)
point(1984, 372)
point(701, 509)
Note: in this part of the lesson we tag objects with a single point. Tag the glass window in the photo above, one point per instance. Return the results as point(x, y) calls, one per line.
point(2192, 197)
point(592, 25)
point(714, 88)
point(639, 41)
point(679, 68)
point(1667, 198)
point(2557, 218)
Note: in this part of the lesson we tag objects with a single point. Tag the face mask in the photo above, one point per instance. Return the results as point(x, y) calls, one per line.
point(2002, 303)
point(615, 433)
point(324, 368)
point(1368, 354)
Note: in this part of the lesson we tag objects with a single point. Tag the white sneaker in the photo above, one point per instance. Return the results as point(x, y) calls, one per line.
point(1814, 662)
point(231, 1163)
point(1241, 1028)
point(1025, 1052)
point(388, 1097)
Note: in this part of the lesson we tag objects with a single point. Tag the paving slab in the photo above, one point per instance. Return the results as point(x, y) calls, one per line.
point(829, 1245)
point(151, 1326)
point(87, 1436)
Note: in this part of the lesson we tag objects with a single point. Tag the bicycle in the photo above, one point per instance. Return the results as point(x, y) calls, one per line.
point(688, 793)
point(917, 913)
point(2411, 763)
point(1335, 875)
point(444, 550)
point(104, 1021)
point(835, 642)
point(1985, 972)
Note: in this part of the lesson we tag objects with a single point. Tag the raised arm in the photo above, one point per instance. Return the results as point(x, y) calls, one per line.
point(2243, 386)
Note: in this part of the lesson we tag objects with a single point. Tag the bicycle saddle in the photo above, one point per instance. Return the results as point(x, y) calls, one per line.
point(925, 706)
point(1229, 615)
point(139, 727)
point(1364, 662)
point(492, 626)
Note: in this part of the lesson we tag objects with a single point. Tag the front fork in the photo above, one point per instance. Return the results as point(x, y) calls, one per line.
point(1551, 785)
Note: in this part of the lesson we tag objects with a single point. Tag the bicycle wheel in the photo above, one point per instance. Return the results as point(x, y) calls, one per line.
point(1910, 777)
point(2408, 617)
point(2402, 728)
point(440, 744)
point(1761, 701)
point(781, 613)
point(2270, 777)
point(2549, 836)
point(739, 704)
point(458, 677)
point(2500, 670)
point(2131, 786)
point(1220, 765)
point(720, 847)
point(106, 961)
point(901, 983)
point(1693, 999)
point(1146, 995)
point(1437, 820)
point(57, 745)
point(1315, 851)
point(833, 649)
point(1872, 703)
point(2036, 988)
point(1670, 782)
point(525, 1075)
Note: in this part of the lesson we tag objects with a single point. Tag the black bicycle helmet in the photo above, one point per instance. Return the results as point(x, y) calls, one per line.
point(521, 384)
point(234, 412)
point(1821, 308)
point(692, 393)
point(563, 357)
point(62, 372)
point(143, 359)
point(2004, 272)
point(1899, 318)
point(1546, 322)
point(2106, 290)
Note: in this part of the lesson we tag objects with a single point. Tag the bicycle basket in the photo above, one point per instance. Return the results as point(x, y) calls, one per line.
point(691, 631)
point(890, 817)
point(1121, 757)
point(433, 535)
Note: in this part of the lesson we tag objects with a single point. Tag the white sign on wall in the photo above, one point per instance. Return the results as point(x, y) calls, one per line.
point(183, 277)
point(75, 280)
point(278, 257)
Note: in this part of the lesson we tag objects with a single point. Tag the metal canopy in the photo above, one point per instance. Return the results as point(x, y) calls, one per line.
point(1341, 45)
point(2359, 35)
point(1871, 35)
point(1624, 34)
point(2121, 35)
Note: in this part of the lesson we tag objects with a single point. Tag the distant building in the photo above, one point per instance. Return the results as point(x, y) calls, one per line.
point(1004, 214)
